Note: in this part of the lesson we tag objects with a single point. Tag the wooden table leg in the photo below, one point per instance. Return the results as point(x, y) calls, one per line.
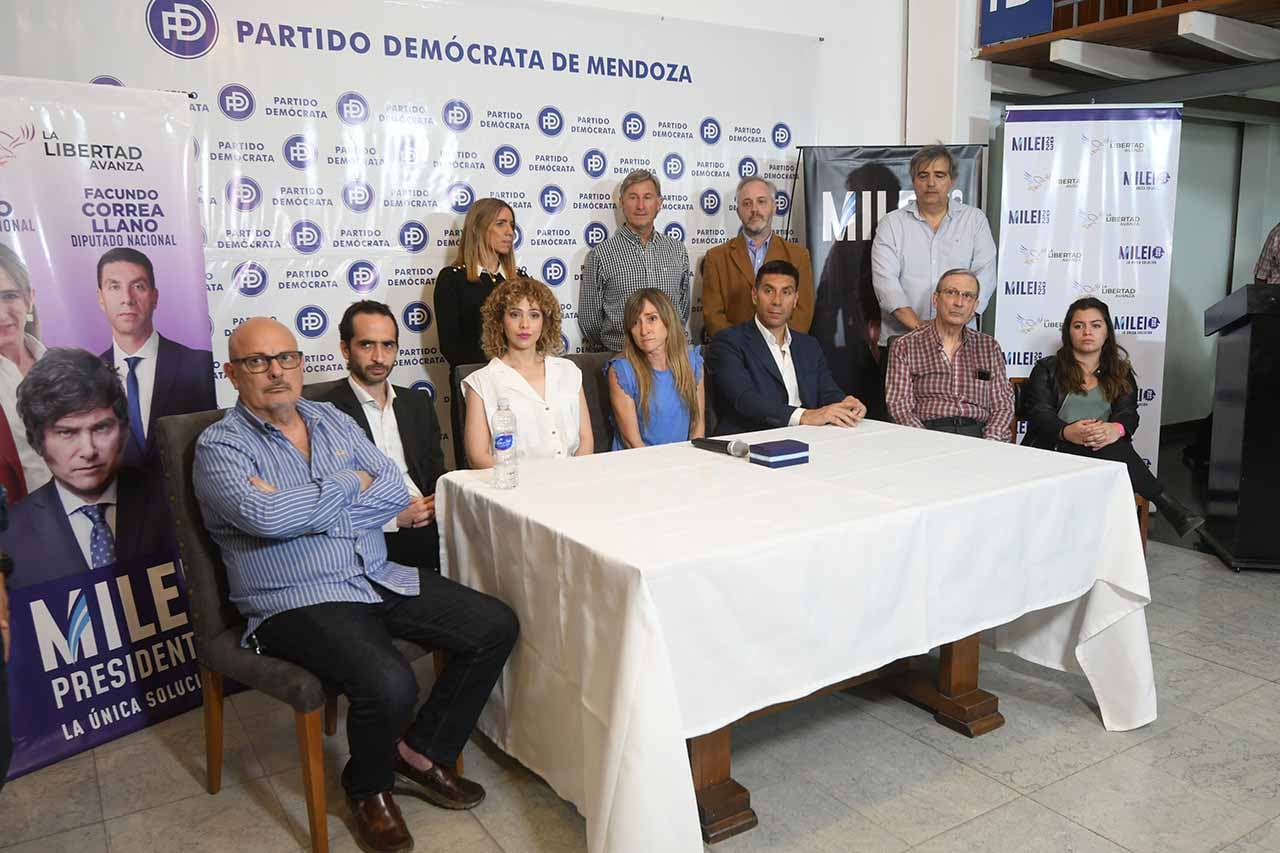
point(953, 696)
point(724, 806)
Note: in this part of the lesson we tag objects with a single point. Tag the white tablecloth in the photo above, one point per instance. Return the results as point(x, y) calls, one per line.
point(665, 592)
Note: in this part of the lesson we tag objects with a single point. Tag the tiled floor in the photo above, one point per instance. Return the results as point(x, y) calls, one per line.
point(854, 772)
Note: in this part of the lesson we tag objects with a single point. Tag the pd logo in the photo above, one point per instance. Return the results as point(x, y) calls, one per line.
point(250, 278)
point(107, 80)
point(551, 198)
point(357, 196)
point(673, 166)
point(709, 201)
point(633, 126)
point(298, 152)
point(519, 237)
point(675, 231)
point(362, 276)
point(460, 196)
point(564, 342)
point(456, 115)
point(417, 318)
point(6, 209)
point(594, 234)
point(781, 203)
point(748, 168)
point(187, 29)
point(423, 384)
point(414, 236)
point(709, 130)
point(554, 271)
point(236, 101)
point(306, 237)
point(352, 108)
point(781, 135)
point(594, 162)
point(311, 321)
point(506, 159)
point(243, 193)
point(550, 121)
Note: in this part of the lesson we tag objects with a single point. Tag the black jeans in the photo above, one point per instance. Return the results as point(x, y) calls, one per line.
point(348, 645)
point(1140, 476)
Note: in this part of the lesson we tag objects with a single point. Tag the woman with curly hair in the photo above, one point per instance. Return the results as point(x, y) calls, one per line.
point(1084, 400)
point(655, 386)
point(520, 332)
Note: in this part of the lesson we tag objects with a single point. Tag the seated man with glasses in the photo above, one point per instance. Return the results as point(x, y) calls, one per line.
point(296, 496)
point(946, 376)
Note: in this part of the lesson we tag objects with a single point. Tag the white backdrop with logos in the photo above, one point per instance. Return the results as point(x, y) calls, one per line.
point(340, 149)
point(1088, 211)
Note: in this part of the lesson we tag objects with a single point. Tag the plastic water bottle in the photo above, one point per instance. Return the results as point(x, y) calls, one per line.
point(506, 474)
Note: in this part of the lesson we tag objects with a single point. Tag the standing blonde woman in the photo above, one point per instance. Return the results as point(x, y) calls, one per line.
point(655, 386)
point(485, 259)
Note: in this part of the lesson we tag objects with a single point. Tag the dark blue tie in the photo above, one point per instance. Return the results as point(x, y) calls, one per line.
point(102, 542)
point(135, 405)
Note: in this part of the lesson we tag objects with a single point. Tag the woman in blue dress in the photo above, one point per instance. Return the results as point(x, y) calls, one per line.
point(655, 386)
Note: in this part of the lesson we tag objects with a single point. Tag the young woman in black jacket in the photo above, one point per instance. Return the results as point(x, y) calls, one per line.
point(1084, 400)
point(485, 258)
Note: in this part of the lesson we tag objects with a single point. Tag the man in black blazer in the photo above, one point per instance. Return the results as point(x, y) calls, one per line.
point(400, 421)
point(767, 375)
point(161, 377)
point(93, 513)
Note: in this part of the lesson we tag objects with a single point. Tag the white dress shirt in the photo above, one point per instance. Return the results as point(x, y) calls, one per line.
point(545, 428)
point(786, 366)
point(146, 372)
point(34, 471)
point(386, 436)
point(81, 526)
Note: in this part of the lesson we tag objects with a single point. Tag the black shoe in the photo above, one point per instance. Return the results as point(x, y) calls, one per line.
point(1184, 521)
point(439, 786)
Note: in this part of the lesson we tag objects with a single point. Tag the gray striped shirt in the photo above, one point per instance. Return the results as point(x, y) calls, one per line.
point(316, 539)
point(619, 267)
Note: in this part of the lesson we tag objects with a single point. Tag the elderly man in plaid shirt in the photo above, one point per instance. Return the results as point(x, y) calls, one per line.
point(636, 257)
point(1267, 270)
point(946, 376)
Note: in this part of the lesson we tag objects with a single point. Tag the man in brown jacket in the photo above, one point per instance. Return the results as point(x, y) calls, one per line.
point(729, 270)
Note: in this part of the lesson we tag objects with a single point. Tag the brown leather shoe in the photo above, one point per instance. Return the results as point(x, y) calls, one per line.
point(379, 826)
point(439, 786)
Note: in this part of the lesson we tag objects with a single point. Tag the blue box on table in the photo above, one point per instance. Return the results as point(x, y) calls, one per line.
point(779, 454)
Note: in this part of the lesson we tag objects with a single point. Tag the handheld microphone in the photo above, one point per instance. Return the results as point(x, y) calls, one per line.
point(737, 448)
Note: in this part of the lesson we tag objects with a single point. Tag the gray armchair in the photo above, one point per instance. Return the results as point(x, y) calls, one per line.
point(218, 627)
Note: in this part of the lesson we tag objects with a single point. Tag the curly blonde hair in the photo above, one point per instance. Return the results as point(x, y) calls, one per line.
point(507, 295)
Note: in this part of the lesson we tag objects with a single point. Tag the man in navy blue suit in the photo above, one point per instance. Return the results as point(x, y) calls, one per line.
point(161, 377)
point(93, 513)
point(766, 375)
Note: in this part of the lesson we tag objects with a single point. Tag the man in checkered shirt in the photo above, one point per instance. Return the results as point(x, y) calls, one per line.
point(637, 256)
point(1267, 270)
point(945, 376)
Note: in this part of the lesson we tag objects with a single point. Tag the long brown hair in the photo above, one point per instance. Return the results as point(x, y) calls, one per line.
point(493, 339)
point(1114, 369)
point(474, 228)
point(677, 352)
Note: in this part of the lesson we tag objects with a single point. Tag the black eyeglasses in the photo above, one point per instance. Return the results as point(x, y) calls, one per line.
point(257, 363)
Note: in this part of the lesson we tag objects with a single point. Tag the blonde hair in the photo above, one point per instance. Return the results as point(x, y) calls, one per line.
point(474, 228)
point(677, 352)
point(493, 338)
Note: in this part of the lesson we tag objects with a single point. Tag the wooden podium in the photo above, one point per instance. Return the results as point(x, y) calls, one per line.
point(1244, 458)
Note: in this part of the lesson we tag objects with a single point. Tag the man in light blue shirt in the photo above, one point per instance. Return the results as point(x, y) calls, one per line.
point(917, 243)
point(295, 495)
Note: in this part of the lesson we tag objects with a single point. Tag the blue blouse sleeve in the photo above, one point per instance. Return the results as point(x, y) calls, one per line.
point(626, 375)
point(695, 360)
